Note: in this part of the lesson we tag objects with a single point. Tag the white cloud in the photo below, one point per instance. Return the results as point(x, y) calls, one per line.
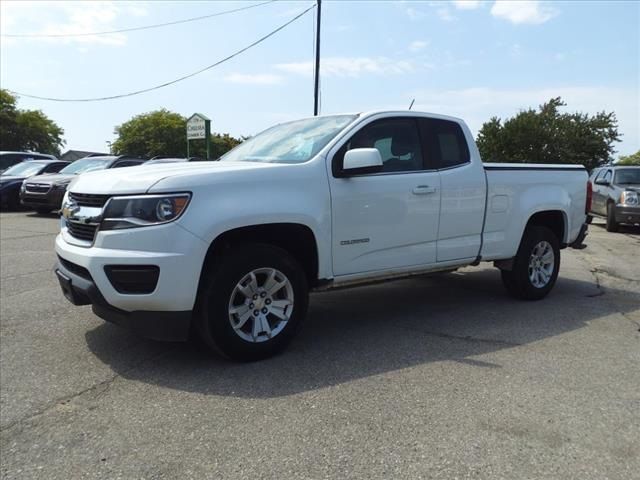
point(477, 105)
point(445, 14)
point(466, 4)
point(254, 78)
point(418, 45)
point(350, 66)
point(77, 17)
point(523, 11)
point(414, 14)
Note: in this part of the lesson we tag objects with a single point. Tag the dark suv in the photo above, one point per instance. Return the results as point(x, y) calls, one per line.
point(44, 193)
point(616, 192)
point(9, 159)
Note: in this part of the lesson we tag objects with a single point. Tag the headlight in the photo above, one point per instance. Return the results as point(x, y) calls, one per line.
point(629, 198)
point(143, 210)
point(23, 187)
point(60, 186)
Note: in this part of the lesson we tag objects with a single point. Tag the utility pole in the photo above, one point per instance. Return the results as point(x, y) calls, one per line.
point(316, 92)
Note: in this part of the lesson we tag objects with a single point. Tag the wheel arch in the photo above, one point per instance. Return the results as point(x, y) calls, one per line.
point(296, 238)
point(554, 220)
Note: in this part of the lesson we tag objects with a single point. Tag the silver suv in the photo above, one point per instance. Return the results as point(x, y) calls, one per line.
point(616, 192)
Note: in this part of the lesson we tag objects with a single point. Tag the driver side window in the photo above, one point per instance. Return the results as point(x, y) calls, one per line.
point(396, 139)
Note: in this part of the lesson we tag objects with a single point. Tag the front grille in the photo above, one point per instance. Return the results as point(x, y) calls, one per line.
point(75, 268)
point(82, 231)
point(88, 200)
point(38, 187)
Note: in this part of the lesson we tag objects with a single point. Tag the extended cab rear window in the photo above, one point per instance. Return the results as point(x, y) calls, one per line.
point(444, 143)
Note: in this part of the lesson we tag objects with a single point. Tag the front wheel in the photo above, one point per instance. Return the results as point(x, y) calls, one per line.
point(252, 301)
point(536, 265)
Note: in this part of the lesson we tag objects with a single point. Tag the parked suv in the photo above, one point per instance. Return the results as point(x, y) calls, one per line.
point(8, 159)
point(12, 178)
point(615, 193)
point(44, 193)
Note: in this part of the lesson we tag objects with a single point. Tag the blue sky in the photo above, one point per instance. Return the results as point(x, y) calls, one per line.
point(469, 59)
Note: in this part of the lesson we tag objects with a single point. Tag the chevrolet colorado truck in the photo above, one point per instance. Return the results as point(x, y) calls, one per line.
point(229, 250)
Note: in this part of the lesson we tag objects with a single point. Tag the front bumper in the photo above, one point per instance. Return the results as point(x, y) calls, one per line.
point(161, 312)
point(627, 214)
point(51, 199)
point(78, 287)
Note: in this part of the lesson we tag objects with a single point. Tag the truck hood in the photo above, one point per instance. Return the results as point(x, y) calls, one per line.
point(141, 178)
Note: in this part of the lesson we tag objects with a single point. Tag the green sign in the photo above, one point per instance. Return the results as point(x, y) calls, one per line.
point(199, 127)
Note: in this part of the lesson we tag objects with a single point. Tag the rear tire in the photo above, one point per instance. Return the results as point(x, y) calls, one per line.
point(237, 314)
point(535, 266)
point(612, 225)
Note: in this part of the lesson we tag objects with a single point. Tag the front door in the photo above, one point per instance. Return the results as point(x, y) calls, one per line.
point(388, 219)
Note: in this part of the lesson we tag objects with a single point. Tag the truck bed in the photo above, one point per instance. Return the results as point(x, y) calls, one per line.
point(514, 193)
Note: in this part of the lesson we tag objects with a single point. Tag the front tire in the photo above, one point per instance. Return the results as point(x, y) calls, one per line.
point(612, 225)
point(536, 265)
point(252, 302)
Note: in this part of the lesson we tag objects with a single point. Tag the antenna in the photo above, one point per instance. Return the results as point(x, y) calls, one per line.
point(412, 103)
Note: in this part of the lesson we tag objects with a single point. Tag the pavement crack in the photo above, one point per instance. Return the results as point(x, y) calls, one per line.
point(467, 338)
point(101, 388)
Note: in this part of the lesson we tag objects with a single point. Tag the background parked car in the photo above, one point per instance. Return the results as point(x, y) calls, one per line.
point(615, 195)
point(44, 193)
point(11, 179)
point(8, 159)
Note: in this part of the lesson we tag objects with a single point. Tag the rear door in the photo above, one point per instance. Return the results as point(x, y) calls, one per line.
point(463, 186)
point(389, 219)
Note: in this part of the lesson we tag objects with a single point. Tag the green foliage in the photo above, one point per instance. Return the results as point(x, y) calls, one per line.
point(548, 136)
point(155, 133)
point(164, 133)
point(633, 159)
point(27, 129)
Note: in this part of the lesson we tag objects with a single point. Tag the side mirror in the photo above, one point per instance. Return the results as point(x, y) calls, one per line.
point(601, 181)
point(362, 160)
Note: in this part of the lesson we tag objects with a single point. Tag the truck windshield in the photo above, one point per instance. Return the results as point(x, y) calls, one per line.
point(627, 176)
point(86, 165)
point(292, 142)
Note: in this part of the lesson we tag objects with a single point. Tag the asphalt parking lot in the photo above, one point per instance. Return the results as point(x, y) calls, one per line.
point(433, 377)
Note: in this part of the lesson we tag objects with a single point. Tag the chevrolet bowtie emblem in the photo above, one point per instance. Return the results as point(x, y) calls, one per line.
point(70, 209)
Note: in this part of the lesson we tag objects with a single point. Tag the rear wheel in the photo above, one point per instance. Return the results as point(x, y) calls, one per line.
point(536, 265)
point(612, 225)
point(252, 302)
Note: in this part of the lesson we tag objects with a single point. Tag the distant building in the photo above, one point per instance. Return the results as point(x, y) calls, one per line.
point(73, 155)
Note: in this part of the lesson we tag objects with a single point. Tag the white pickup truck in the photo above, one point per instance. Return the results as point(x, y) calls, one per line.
point(229, 250)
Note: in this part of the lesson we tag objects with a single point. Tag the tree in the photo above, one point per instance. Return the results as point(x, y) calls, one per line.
point(549, 136)
point(155, 133)
point(164, 133)
point(27, 129)
point(633, 159)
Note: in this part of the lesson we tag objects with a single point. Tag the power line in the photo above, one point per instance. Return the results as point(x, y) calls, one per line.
point(133, 29)
point(166, 84)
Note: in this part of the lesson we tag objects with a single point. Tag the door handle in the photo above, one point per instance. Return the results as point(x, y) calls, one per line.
point(424, 190)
